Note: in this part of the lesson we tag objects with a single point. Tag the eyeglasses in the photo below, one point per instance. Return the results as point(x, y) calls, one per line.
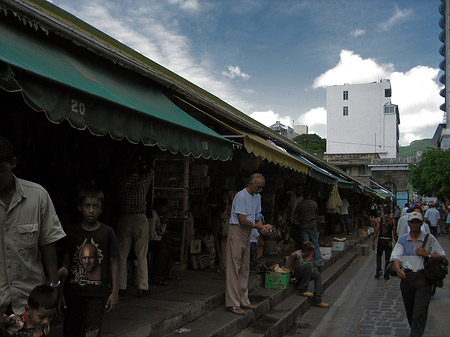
point(260, 187)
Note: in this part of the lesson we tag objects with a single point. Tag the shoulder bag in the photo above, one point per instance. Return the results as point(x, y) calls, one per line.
point(434, 270)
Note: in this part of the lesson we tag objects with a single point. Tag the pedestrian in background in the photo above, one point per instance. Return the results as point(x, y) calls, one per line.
point(306, 216)
point(403, 227)
point(385, 231)
point(254, 249)
point(246, 205)
point(397, 212)
point(434, 217)
point(345, 220)
point(27, 215)
point(132, 224)
point(404, 209)
point(447, 222)
point(409, 257)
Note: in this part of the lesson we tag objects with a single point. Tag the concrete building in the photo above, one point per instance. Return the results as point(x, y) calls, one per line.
point(301, 129)
point(284, 130)
point(441, 137)
point(362, 120)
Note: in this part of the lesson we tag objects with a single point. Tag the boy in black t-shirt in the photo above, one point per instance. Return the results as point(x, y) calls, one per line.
point(91, 255)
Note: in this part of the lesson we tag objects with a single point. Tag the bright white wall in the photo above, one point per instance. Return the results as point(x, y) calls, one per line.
point(366, 129)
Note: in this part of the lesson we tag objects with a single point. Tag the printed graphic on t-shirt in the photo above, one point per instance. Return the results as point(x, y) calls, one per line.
point(86, 264)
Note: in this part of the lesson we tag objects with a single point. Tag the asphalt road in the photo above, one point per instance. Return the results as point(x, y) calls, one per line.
point(362, 306)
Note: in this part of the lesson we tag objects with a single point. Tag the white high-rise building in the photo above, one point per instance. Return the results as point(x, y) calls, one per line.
point(362, 119)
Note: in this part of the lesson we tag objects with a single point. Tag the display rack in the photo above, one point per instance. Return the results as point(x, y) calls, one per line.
point(171, 182)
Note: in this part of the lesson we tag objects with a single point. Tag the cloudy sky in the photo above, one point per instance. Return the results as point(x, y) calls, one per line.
point(273, 59)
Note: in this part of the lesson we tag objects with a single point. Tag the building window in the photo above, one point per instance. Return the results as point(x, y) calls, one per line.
point(345, 95)
point(389, 109)
point(387, 92)
point(362, 170)
point(348, 170)
point(345, 111)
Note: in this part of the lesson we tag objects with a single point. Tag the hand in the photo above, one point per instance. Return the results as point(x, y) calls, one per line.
point(421, 252)
point(266, 228)
point(373, 245)
point(61, 304)
point(400, 273)
point(113, 300)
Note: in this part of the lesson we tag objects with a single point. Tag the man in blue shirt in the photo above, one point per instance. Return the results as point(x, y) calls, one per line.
point(409, 257)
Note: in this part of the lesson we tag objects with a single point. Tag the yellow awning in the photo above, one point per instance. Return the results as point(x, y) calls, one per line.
point(266, 150)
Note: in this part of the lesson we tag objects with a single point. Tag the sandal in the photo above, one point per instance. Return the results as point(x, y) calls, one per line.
point(162, 283)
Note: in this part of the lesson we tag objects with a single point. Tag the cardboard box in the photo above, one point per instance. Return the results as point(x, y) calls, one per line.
point(326, 253)
point(351, 243)
point(339, 245)
point(276, 280)
point(362, 250)
point(362, 233)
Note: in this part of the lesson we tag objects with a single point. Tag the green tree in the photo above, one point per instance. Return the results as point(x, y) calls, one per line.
point(431, 176)
point(312, 143)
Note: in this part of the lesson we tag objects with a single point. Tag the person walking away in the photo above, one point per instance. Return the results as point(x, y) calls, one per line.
point(91, 256)
point(385, 231)
point(301, 264)
point(343, 212)
point(403, 227)
point(404, 209)
point(254, 249)
point(433, 215)
point(132, 224)
point(246, 205)
point(409, 257)
point(159, 248)
point(27, 219)
point(306, 215)
point(447, 222)
point(35, 320)
point(396, 213)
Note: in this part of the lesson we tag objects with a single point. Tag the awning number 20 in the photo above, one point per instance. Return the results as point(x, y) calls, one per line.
point(77, 107)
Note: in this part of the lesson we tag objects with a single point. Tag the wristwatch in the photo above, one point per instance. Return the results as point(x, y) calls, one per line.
point(55, 285)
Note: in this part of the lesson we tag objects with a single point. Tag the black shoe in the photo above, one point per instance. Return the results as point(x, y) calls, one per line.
point(122, 292)
point(386, 276)
point(378, 274)
point(142, 293)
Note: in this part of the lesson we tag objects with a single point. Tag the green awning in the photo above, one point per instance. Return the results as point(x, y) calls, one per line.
point(323, 175)
point(105, 98)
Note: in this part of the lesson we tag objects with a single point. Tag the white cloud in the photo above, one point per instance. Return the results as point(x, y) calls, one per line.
point(234, 72)
point(398, 16)
point(416, 92)
point(316, 120)
point(358, 32)
point(185, 4)
point(270, 117)
point(352, 68)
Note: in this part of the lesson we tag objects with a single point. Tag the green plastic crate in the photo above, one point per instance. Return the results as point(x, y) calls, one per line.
point(276, 280)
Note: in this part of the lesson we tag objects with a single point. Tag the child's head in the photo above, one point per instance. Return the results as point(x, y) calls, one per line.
point(42, 305)
point(308, 247)
point(90, 204)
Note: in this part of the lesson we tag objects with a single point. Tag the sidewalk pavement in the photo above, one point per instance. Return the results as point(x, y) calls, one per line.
point(184, 300)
